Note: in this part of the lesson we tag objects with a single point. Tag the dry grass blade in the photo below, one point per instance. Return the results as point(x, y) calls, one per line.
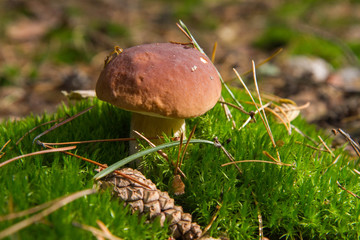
point(99, 233)
point(354, 145)
point(179, 153)
point(226, 109)
point(335, 161)
point(277, 52)
point(312, 147)
point(186, 31)
point(29, 211)
point(37, 217)
point(213, 218)
point(33, 129)
point(228, 155)
point(187, 144)
point(254, 113)
point(287, 112)
point(178, 185)
point(283, 118)
point(227, 112)
point(37, 153)
point(213, 52)
point(258, 110)
point(327, 148)
point(61, 123)
point(164, 155)
point(233, 105)
point(269, 156)
point(103, 227)
point(356, 171)
point(343, 188)
point(264, 118)
point(304, 135)
point(3, 147)
point(261, 63)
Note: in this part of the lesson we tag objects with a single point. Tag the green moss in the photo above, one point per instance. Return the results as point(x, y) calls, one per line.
point(9, 74)
point(300, 43)
point(302, 200)
point(310, 45)
point(67, 44)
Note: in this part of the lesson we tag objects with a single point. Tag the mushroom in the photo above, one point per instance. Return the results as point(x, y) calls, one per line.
point(162, 84)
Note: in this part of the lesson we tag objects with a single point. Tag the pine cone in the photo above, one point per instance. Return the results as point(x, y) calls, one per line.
point(151, 201)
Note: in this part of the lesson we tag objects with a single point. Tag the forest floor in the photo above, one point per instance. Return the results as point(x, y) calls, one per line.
point(47, 47)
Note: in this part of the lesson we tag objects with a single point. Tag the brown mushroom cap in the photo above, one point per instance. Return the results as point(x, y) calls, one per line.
point(161, 79)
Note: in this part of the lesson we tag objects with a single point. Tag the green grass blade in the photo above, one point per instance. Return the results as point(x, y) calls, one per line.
point(143, 153)
point(202, 51)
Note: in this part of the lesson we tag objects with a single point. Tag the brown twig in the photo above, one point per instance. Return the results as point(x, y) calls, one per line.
point(164, 155)
point(60, 124)
point(227, 112)
point(304, 135)
point(3, 147)
point(34, 128)
point(227, 154)
point(343, 188)
point(213, 218)
point(95, 141)
point(37, 153)
point(353, 144)
point(187, 144)
point(102, 166)
point(312, 147)
point(271, 157)
point(258, 161)
point(234, 106)
point(179, 153)
point(327, 148)
point(183, 31)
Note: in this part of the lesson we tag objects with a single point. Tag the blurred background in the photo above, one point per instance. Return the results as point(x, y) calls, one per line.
point(49, 46)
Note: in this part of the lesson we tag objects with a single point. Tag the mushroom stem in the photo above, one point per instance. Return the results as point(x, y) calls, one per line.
point(152, 126)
